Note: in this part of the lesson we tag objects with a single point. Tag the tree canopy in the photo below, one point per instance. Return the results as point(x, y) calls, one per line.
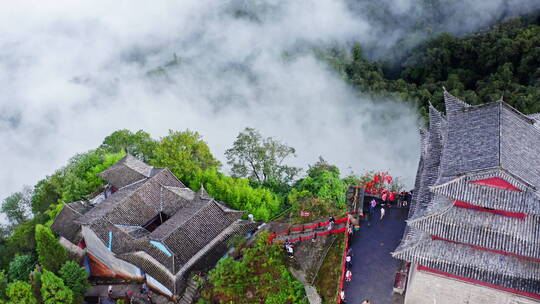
point(184, 153)
point(502, 62)
point(262, 160)
point(76, 279)
point(53, 290)
point(20, 267)
point(51, 254)
point(261, 276)
point(20, 292)
point(17, 206)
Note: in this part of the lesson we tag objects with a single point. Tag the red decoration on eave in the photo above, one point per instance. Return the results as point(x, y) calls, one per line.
point(496, 182)
point(462, 204)
point(469, 280)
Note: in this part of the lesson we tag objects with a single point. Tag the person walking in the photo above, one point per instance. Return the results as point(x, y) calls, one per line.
point(331, 222)
point(348, 261)
point(366, 302)
point(342, 295)
point(149, 297)
point(348, 276)
point(382, 212)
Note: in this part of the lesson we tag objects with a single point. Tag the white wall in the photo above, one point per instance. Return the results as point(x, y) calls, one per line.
point(157, 285)
point(429, 288)
point(100, 251)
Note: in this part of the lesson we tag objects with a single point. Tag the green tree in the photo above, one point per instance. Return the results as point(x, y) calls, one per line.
point(53, 290)
point(323, 182)
point(35, 281)
point(51, 255)
point(76, 278)
point(3, 286)
point(260, 159)
point(185, 154)
point(17, 206)
point(261, 276)
point(138, 144)
point(21, 241)
point(20, 267)
point(45, 195)
point(20, 292)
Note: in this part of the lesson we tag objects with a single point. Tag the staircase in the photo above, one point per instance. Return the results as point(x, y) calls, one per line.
point(191, 291)
point(309, 231)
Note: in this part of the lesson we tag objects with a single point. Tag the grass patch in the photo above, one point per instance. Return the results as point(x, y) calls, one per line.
point(327, 281)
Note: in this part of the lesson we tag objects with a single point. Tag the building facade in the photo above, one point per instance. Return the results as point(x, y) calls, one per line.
point(148, 225)
point(473, 232)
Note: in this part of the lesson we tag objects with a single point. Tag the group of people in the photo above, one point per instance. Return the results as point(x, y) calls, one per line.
point(144, 290)
point(401, 202)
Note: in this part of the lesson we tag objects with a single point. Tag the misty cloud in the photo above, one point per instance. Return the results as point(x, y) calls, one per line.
point(72, 73)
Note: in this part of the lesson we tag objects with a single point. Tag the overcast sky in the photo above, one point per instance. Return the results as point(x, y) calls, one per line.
point(73, 72)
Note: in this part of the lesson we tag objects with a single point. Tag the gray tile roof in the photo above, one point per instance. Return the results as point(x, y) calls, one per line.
point(194, 220)
point(64, 224)
point(513, 235)
point(473, 143)
point(465, 261)
point(126, 171)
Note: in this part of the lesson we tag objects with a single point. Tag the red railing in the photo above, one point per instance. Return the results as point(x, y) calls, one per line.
point(343, 263)
point(311, 226)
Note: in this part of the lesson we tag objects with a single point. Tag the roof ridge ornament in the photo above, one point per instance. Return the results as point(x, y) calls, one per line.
point(202, 192)
point(452, 103)
point(435, 115)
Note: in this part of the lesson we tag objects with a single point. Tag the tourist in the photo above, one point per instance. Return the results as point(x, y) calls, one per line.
point(144, 288)
point(290, 251)
point(382, 212)
point(109, 291)
point(348, 276)
point(342, 295)
point(129, 295)
point(366, 302)
point(331, 222)
point(149, 297)
point(372, 204)
point(348, 261)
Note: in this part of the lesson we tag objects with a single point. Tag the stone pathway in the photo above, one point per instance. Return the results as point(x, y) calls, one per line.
point(311, 291)
point(373, 268)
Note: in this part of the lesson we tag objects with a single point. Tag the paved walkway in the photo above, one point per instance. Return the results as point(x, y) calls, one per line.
point(373, 267)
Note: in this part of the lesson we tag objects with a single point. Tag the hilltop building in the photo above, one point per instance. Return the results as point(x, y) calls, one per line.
point(147, 224)
point(473, 233)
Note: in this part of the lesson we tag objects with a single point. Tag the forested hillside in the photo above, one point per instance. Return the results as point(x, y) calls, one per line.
point(502, 62)
point(262, 184)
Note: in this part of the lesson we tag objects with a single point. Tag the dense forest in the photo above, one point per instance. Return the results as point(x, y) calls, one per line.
point(502, 62)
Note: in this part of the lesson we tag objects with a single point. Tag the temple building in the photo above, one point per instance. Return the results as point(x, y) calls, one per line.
point(148, 225)
point(473, 232)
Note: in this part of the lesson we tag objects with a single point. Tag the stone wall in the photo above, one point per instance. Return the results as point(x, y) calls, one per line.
point(428, 288)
